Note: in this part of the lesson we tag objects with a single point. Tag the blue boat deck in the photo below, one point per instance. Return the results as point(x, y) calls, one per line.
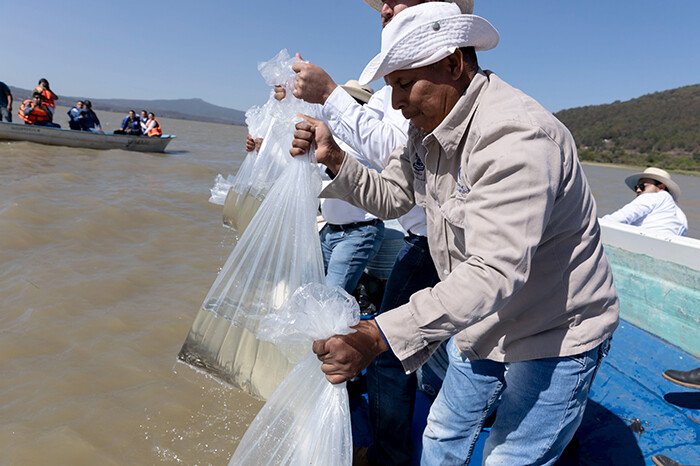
point(633, 413)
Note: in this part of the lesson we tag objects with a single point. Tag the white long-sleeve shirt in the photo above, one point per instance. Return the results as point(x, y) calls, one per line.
point(373, 131)
point(337, 211)
point(654, 212)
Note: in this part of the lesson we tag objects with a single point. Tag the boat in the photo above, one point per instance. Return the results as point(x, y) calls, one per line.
point(633, 413)
point(83, 139)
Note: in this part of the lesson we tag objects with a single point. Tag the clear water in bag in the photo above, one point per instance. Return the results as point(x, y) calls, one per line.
point(278, 252)
point(239, 209)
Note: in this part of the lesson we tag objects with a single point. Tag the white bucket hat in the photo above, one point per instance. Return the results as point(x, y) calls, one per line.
point(656, 174)
point(425, 34)
point(362, 93)
point(467, 6)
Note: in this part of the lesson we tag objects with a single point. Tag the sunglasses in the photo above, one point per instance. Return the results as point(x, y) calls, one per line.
point(643, 186)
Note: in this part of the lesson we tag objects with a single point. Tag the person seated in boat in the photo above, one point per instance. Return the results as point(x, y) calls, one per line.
point(35, 112)
point(75, 114)
point(89, 120)
point(5, 103)
point(152, 126)
point(131, 125)
point(143, 118)
point(655, 207)
point(49, 96)
point(526, 294)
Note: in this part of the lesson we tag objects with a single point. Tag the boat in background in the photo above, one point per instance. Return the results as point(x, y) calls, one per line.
point(82, 139)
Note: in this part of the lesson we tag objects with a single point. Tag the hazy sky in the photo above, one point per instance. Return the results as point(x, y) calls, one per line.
point(564, 53)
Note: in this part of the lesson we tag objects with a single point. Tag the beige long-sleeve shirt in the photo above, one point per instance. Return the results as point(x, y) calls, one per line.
point(512, 228)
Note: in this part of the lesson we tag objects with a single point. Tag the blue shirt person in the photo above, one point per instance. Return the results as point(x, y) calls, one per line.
point(74, 115)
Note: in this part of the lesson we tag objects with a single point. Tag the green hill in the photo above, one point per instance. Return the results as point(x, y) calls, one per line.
point(660, 129)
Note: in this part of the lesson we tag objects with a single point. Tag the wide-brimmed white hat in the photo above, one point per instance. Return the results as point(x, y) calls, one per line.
point(361, 93)
point(467, 6)
point(425, 34)
point(656, 174)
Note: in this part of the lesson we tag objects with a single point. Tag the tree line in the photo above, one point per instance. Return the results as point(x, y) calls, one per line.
point(660, 129)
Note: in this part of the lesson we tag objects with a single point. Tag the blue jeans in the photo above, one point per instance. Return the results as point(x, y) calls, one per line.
point(5, 114)
point(541, 405)
point(390, 391)
point(347, 252)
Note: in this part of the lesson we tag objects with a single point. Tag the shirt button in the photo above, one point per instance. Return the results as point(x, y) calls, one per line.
point(446, 272)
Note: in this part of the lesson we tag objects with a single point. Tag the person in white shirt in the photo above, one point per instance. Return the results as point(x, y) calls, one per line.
point(351, 236)
point(655, 207)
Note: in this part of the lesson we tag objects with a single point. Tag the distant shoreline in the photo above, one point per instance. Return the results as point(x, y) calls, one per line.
point(639, 167)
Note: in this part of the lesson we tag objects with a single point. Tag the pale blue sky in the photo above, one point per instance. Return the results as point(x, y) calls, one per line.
point(564, 53)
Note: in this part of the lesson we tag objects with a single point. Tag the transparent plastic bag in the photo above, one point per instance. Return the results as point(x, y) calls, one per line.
point(277, 253)
point(274, 122)
point(307, 419)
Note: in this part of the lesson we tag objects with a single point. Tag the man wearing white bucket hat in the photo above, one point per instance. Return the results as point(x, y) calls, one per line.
point(655, 207)
point(374, 131)
point(526, 293)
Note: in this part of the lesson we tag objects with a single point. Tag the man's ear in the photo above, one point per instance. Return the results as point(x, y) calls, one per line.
point(455, 64)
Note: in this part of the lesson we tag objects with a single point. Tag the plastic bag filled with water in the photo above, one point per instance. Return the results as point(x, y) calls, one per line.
point(307, 419)
point(278, 252)
point(274, 122)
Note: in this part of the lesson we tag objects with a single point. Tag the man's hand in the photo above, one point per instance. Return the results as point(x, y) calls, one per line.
point(345, 356)
point(252, 144)
point(312, 83)
point(327, 150)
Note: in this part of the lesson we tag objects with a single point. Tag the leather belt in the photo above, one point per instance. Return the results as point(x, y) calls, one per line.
point(350, 226)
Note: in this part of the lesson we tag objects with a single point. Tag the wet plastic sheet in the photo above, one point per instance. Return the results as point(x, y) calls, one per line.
point(307, 420)
point(274, 122)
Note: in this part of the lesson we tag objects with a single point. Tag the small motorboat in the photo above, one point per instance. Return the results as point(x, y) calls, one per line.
point(84, 139)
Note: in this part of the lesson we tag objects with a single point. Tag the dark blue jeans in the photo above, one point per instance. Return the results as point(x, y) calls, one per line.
point(390, 391)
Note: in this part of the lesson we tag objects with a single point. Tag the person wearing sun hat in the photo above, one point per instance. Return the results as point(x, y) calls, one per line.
point(526, 296)
point(361, 94)
point(654, 208)
point(374, 131)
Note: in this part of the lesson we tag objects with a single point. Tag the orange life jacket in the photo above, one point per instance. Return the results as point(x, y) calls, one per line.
point(46, 96)
point(37, 115)
point(155, 131)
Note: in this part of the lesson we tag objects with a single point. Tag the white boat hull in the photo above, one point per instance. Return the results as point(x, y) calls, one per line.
point(83, 139)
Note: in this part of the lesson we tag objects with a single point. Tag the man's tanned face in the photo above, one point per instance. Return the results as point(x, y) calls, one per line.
point(425, 95)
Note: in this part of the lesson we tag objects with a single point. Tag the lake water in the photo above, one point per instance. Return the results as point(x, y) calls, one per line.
point(105, 258)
